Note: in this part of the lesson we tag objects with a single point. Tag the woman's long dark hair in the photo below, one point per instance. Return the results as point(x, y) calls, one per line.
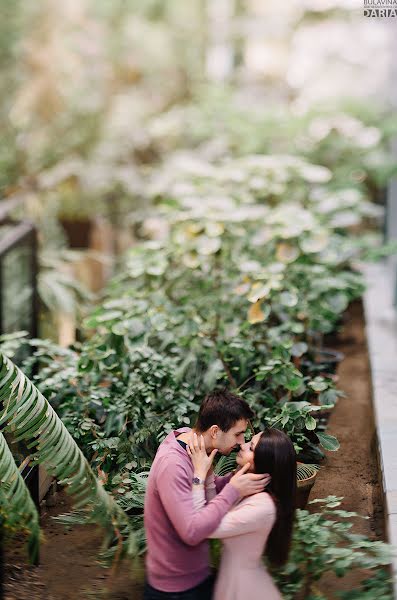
point(275, 454)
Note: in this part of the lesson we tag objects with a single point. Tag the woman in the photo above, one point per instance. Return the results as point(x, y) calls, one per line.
point(259, 524)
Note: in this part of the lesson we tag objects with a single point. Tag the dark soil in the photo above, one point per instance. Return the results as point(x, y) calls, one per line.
point(69, 568)
point(68, 564)
point(352, 471)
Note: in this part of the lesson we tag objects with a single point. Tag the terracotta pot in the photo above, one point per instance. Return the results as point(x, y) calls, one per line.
point(78, 232)
point(304, 487)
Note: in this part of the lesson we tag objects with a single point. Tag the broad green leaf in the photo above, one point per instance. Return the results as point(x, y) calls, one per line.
point(310, 423)
point(328, 442)
point(54, 447)
point(20, 511)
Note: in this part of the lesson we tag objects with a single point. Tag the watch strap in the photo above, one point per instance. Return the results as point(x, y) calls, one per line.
point(198, 481)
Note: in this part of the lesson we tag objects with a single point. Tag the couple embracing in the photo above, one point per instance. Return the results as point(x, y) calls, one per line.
point(250, 510)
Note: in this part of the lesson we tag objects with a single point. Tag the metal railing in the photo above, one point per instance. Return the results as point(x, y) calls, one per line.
point(14, 237)
point(19, 302)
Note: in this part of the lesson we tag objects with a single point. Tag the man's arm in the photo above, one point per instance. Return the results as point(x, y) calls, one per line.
point(174, 484)
point(210, 488)
point(220, 482)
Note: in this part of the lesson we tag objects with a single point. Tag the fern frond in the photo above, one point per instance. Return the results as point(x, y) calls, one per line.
point(225, 465)
point(304, 471)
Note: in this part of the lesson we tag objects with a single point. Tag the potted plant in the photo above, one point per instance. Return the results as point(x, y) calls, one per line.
point(320, 361)
point(63, 187)
point(77, 214)
point(323, 543)
point(306, 477)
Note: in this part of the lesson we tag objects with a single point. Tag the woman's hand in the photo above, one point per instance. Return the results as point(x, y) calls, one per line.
point(248, 484)
point(202, 462)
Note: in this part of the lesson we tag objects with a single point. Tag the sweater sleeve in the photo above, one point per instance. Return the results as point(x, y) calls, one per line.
point(210, 487)
point(248, 516)
point(198, 495)
point(174, 486)
point(220, 482)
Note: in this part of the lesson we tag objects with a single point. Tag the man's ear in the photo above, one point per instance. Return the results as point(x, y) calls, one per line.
point(213, 431)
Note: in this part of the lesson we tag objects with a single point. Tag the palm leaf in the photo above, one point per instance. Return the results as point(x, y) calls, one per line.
point(133, 504)
point(19, 509)
point(225, 465)
point(26, 413)
point(304, 471)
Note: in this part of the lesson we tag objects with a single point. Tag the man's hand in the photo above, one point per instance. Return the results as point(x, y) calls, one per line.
point(248, 484)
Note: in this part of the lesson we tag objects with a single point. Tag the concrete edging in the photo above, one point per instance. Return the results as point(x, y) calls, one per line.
point(381, 328)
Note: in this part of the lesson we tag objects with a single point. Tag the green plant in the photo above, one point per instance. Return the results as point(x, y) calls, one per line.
point(117, 399)
point(295, 418)
point(349, 137)
point(305, 471)
point(226, 464)
point(378, 586)
point(322, 543)
point(28, 416)
point(58, 288)
point(17, 510)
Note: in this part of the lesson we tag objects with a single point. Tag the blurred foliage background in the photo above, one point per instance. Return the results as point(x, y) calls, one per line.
point(205, 178)
point(228, 153)
point(99, 101)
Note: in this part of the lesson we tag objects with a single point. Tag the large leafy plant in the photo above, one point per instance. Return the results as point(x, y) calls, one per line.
point(324, 543)
point(117, 398)
point(17, 510)
point(351, 138)
point(26, 414)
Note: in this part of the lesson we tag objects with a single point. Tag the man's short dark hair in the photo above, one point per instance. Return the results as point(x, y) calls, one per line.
point(222, 408)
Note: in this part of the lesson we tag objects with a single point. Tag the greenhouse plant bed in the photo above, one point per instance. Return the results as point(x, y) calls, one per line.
point(352, 472)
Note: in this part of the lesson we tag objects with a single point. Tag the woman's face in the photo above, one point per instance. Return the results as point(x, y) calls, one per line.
point(246, 453)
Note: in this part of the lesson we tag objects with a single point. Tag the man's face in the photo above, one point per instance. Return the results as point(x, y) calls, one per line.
point(226, 441)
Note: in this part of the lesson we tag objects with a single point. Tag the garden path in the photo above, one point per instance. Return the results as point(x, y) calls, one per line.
point(352, 472)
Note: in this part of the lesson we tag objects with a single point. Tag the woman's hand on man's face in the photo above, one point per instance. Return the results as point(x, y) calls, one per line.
point(202, 462)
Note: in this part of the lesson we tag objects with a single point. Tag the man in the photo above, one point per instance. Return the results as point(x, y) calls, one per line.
point(177, 562)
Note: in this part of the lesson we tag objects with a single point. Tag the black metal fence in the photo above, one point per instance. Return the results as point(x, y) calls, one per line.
point(18, 307)
point(18, 273)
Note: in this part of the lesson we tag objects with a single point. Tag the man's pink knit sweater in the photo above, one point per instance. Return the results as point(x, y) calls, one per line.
point(178, 553)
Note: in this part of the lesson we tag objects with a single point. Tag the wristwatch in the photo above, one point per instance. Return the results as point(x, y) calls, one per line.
point(198, 481)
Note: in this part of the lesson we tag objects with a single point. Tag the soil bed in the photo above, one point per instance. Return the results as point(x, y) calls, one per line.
point(69, 570)
point(352, 471)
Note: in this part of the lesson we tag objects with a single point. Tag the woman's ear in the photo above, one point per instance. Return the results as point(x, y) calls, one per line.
point(213, 430)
